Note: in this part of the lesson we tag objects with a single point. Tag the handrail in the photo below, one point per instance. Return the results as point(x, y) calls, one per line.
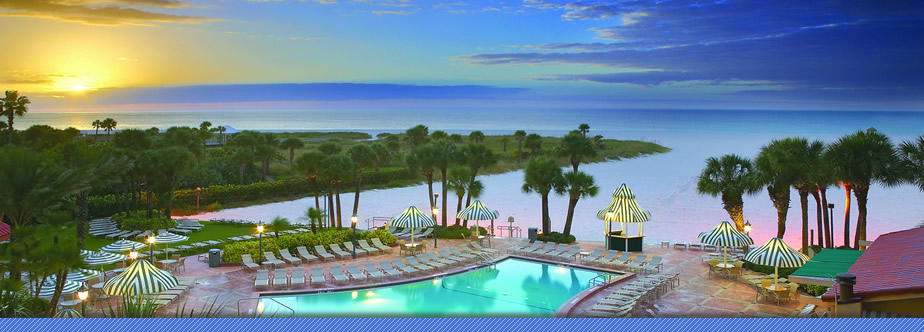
point(510, 230)
point(596, 280)
point(370, 222)
point(259, 311)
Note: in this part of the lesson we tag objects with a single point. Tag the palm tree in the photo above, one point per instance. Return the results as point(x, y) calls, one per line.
point(96, 124)
point(363, 157)
point(417, 135)
point(533, 143)
point(584, 129)
point(805, 156)
point(266, 150)
point(505, 140)
point(577, 185)
point(109, 124)
point(775, 171)
point(382, 155)
point(174, 162)
point(104, 169)
point(11, 106)
point(822, 177)
point(476, 136)
point(329, 148)
point(862, 159)
point(337, 168)
point(314, 216)
point(438, 135)
point(729, 176)
point(221, 134)
point(519, 135)
point(576, 147)
point(279, 224)
point(912, 156)
point(444, 153)
point(599, 141)
point(477, 156)
point(291, 144)
point(245, 146)
point(456, 138)
point(459, 180)
point(540, 176)
point(421, 159)
point(205, 133)
point(309, 165)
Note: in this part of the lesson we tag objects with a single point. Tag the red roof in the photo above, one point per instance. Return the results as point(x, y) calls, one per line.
point(4, 231)
point(893, 264)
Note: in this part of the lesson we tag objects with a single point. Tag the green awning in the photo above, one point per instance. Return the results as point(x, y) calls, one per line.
point(824, 267)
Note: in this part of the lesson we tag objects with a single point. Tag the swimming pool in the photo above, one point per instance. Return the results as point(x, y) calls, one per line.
point(511, 288)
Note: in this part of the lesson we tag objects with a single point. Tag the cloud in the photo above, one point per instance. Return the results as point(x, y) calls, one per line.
point(111, 12)
point(28, 81)
point(395, 12)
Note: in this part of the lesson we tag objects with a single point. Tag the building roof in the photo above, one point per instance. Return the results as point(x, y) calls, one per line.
point(4, 231)
point(893, 264)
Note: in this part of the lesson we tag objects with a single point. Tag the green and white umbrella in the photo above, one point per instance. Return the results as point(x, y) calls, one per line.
point(624, 209)
point(777, 254)
point(725, 235)
point(85, 253)
point(68, 313)
point(413, 218)
point(103, 258)
point(81, 274)
point(168, 238)
point(478, 211)
point(140, 278)
point(123, 246)
point(48, 289)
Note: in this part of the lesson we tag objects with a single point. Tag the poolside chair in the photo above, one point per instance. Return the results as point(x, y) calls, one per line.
point(373, 271)
point(389, 269)
point(336, 272)
point(696, 246)
point(306, 255)
point(337, 251)
point(356, 273)
point(297, 280)
point(806, 311)
point(448, 256)
point(573, 250)
point(272, 260)
point(403, 232)
point(399, 264)
point(378, 244)
point(426, 260)
point(317, 276)
point(248, 262)
point(280, 279)
point(322, 253)
point(531, 247)
point(418, 265)
point(478, 247)
point(426, 233)
point(548, 247)
point(261, 281)
point(359, 251)
point(653, 265)
point(520, 245)
point(286, 256)
point(368, 248)
point(597, 253)
point(623, 259)
point(610, 255)
point(560, 249)
point(448, 262)
point(456, 252)
point(639, 260)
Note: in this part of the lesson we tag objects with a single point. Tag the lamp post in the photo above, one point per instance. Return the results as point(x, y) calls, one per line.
point(198, 193)
point(151, 240)
point(353, 220)
point(747, 231)
point(260, 235)
point(82, 294)
point(436, 211)
point(831, 222)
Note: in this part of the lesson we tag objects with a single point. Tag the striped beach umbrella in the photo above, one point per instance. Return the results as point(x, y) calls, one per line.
point(168, 238)
point(725, 235)
point(85, 253)
point(81, 274)
point(624, 209)
point(103, 258)
point(777, 254)
point(478, 211)
point(140, 278)
point(123, 246)
point(413, 218)
point(48, 288)
point(68, 313)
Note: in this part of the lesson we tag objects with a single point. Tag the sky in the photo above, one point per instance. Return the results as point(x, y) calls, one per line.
point(176, 54)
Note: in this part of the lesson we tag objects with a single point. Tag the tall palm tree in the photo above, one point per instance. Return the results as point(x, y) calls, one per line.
point(417, 135)
point(309, 165)
point(520, 135)
point(221, 134)
point(173, 163)
point(476, 136)
point(576, 185)
point(912, 156)
point(314, 216)
point(444, 154)
point(421, 160)
point(729, 177)
point(776, 173)
point(823, 177)
point(338, 168)
point(96, 124)
point(266, 150)
point(11, 106)
point(363, 157)
point(109, 124)
point(438, 134)
point(540, 176)
point(505, 140)
point(459, 180)
point(805, 156)
point(577, 148)
point(477, 157)
point(584, 129)
point(861, 159)
point(245, 149)
point(382, 155)
point(291, 144)
point(205, 133)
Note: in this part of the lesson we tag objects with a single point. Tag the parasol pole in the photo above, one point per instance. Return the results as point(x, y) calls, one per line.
point(776, 280)
point(725, 255)
point(492, 233)
point(412, 236)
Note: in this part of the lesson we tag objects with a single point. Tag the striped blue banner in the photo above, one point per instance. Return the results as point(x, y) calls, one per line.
point(463, 324)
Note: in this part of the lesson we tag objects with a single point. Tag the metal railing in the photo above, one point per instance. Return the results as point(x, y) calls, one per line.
point(259, 310)
point(600, 279)
point(376, 222)
point(510, 230)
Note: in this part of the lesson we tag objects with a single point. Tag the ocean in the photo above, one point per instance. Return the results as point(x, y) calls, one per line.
point(664, 183)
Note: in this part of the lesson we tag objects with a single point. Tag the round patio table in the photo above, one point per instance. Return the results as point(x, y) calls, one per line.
point(725, 265)
point(583, 254)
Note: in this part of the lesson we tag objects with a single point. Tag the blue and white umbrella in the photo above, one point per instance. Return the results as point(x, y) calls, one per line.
point(413, 218)
point(103, 258)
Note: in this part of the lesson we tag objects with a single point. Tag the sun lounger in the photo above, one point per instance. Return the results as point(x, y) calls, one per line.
point(286, 256)
point(402, 232)
point(337, 251)
point(533, 247)
point(560, 249)
point(356, 273)
point(455, 251)
point(682, 245)
point(297, 280)
point(418, 265)
point(573, 250)
point(306, 255)
point(359, 251)
point(373, 271)
point(322, 253)
point(143, 234)
point(638, 262)
point(449, 262)
point(399, 264)
point(280, 279)
point(248, 262)
point(478, 247)
point(389, 269)
point(116, 235)
point(623, 259)
point(596, 254)
point(426, 260)
point(261, 281)
point(248, 237)
point(336, 272)
point(213, 242)
point(696, 246)
point(448, 255)
point(522, 244)
point(180, 230)
point(368, 248)
point(426, 233)
point(272, 260)
point(653, 265)
point(317, 276)
point(376, 242)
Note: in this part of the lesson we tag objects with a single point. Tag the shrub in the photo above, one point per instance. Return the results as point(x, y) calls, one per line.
point(784, 272)
point(456, 231)
point(556, 237)
point(815, 290)
point(37, 305)
point(102, 206)
point(232, 252)
point(139, 221)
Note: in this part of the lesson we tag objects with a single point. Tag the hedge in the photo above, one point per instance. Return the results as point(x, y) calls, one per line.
point(815, 290)
point(556, 237)
point(139, 221)
point(233, 251)
point(456, 232)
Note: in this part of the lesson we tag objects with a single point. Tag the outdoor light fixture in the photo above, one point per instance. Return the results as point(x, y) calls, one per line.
point(260, 234)
point(435, 211)
point(151, 240)
point(83, 293)
point(133, 255)
point(747, 227)
point(198, 193)
point(353, 220)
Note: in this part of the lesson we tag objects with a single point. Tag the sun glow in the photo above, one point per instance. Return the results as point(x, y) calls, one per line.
point(79, 88)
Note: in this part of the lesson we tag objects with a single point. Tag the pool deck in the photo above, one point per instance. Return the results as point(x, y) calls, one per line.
point(698, 295)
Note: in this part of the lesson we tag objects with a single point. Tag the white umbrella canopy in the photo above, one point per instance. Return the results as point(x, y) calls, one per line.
point(478, 211)
point(168, 238)
point(140, 278)
point(725, 235)
point(776, 253)
point(123, 246)
point(103, 258)
point(81, 274)
point(412, 217)
point(48, 288)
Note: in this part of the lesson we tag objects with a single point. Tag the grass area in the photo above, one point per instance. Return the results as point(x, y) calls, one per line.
point(211, 231)
point(335, 135)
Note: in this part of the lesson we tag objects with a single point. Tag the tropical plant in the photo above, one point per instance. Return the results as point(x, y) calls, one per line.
point(520, 135)
point(861, 159)
point(540, 176)
point(730, 177)
point(444, 154)
point(438, 135)
point(96, 124)
point(421, 160)
point(314, 216)
point(279, 224)
point(205, 132)
point(221, 134)
point(576, 147)
point(417, 135)
point(329, 148)
point(584, 129)
point(337, 168)
point(533, 143)
point(382, 155)
point(291, 144)
point(576, 185)
point(822, 176)
point(266, 150)
point(476, 136)
point(477, 157)
point(598, 140)
point(363, 157)
point(456, 138)
point(309, 165)
point(505, 140)
point(912, 156)
point(173, 163)
point(209, 310)
point(245, 149)
point(11, 106)
point(459, 181)
point(775, 169)
point(109, 125)
point(133, 307)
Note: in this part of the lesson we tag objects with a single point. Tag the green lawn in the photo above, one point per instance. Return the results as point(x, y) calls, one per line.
point(211, 231)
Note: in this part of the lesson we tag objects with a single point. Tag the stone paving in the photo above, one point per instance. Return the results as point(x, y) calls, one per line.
point(698, 295)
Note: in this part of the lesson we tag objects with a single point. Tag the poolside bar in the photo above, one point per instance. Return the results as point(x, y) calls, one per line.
point(624, 209)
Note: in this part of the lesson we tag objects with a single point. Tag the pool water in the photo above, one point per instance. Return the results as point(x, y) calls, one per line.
point(511, 288)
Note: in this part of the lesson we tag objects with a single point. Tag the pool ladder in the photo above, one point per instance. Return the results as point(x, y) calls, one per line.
point(257, 311)
point(600, 279)
point(486, 259)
